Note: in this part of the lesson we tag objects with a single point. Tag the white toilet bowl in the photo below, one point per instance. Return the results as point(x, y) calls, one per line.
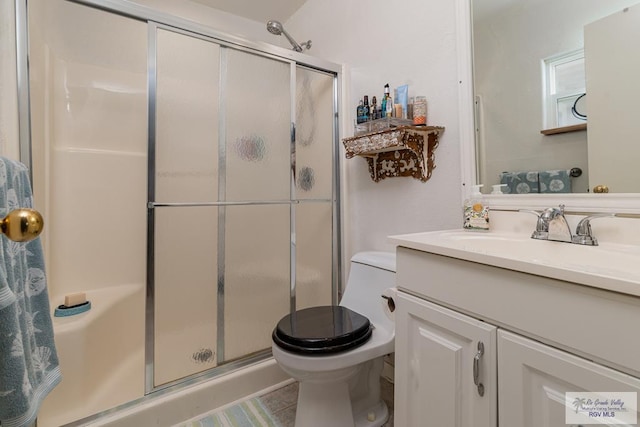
point(336, 353)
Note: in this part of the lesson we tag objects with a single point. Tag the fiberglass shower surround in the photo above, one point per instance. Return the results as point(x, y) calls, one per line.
point(221, 224)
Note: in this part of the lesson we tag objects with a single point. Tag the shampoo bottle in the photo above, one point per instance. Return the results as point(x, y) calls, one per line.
point(387, 102)
point(367, 109)
point(360, 116)
point(476, 212)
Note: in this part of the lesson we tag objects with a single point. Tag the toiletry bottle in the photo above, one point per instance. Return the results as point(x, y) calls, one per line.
point(497, 188)
point(420, 110)
point(374, 108)
point(387, 108)
point(396, 105)
point(385, 96)
point(360, 118)
point(403, 100)
point(397, 111)
point(410, 108)
point(476, 211)
point(367, 109)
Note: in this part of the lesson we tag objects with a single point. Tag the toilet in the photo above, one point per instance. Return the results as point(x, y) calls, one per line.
point(336, 352)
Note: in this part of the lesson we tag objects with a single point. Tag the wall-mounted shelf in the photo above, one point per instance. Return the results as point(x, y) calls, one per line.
point(564, 129)
point(398, 151)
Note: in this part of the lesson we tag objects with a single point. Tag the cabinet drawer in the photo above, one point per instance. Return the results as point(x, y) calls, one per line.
point(593, 323)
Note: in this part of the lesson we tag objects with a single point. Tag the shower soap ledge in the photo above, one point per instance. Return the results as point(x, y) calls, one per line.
point(65, 311)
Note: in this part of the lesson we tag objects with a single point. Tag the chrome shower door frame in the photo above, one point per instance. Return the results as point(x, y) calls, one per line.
point(155, 20)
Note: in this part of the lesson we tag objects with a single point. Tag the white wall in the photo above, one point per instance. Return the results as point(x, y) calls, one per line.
point(411, 42)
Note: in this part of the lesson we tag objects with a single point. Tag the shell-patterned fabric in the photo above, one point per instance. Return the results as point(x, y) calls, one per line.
point(28, 360)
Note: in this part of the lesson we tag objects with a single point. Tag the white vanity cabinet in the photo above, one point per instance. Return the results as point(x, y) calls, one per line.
point(542, 337)
point(533, 380)
point(442, 378)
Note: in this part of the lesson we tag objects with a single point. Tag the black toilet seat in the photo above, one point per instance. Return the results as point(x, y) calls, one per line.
point(322, 330)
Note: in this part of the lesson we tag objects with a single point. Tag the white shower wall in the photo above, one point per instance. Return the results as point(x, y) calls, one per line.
point(88, 115)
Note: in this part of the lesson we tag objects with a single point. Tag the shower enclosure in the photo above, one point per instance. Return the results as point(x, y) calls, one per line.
point(189, 186)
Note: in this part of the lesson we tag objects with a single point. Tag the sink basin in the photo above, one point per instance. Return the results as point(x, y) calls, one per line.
point(608, 266)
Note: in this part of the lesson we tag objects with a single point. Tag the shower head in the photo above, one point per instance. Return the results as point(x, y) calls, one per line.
point(275, 27)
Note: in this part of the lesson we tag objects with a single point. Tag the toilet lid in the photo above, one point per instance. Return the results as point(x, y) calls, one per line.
point(322, 330)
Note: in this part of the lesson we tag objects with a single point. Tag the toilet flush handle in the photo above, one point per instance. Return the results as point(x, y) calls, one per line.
point(390, 302)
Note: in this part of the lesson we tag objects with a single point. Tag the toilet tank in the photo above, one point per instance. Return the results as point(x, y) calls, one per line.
point(370, 275)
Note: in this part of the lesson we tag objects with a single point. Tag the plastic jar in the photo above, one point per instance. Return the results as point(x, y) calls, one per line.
point(420, 110)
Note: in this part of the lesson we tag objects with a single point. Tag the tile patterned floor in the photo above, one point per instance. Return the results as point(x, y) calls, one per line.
point(282, 402)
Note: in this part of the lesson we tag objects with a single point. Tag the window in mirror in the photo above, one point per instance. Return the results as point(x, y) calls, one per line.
point(564, 75)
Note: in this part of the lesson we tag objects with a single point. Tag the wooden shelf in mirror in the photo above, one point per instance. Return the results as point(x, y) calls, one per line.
point(564, 129)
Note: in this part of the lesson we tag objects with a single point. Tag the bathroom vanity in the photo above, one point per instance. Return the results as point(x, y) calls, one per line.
point(493, 328)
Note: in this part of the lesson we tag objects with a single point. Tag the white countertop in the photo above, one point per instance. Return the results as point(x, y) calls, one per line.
point(609, 266)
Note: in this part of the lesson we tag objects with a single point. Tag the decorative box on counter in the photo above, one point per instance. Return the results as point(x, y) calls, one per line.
point(397, 151)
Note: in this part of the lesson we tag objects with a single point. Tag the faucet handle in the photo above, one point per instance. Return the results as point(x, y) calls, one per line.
point(548, 211)
point(583, 234)
point(551, 225)
point(541, 232)
point(552, 213)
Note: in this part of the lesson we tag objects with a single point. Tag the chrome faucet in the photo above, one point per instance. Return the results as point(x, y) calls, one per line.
point(551, 225)
point(583, 234)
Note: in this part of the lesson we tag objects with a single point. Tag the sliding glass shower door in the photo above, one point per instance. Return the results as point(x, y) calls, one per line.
point(240, 201)
point(189, 187)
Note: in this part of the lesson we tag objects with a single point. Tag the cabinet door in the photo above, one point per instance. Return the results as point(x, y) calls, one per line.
point(534, 378)
point(436, 349)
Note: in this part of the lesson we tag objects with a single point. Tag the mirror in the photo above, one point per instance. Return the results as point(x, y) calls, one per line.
point(511, 40)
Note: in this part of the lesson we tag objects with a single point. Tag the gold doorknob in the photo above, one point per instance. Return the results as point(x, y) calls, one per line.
point(600, 189)
point(22, 225)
